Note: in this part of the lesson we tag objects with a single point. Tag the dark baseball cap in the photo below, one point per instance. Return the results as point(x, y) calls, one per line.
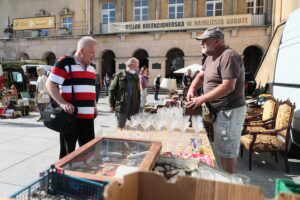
point(211, 33)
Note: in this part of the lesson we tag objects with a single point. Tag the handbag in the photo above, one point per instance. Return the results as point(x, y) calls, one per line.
point(55, 118)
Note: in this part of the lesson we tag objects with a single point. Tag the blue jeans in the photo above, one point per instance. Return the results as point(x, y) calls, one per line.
point(106, 89)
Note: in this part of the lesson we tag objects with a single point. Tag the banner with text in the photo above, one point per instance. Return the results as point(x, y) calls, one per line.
point(180, 24)
point(34, 23)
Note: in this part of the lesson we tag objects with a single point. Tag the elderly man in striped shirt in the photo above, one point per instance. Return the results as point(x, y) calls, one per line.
point(83, 81)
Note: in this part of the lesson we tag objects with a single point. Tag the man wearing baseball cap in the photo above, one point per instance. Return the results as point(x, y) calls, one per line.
point(222, 79)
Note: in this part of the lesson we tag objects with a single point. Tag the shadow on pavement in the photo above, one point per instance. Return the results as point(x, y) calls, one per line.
point(17, 124)
point(265, 170)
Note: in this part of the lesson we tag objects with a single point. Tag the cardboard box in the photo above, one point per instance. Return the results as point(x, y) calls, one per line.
point(150, 186)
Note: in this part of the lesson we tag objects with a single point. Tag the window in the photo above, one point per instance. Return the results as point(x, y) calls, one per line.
point(108, 12)
point(176, 8)
point(17, 77)
point(140, 10)
point(67, 23)
point(214, 7)
point(255, 7)
point(44, 32)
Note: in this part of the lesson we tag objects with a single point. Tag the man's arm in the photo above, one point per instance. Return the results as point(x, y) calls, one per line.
point(54, 92)
point(112, 93)
point(222, 90)
point(183, 81)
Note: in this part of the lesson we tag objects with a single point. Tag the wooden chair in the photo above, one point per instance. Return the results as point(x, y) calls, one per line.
point(264, 117)
point(266, 114)
point(262, 139)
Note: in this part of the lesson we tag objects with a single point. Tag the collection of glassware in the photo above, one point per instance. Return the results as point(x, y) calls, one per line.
point(151, 125)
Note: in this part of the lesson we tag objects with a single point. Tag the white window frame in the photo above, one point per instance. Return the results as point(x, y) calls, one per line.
point(176, 6)
point(108, 11)
point(68, 25)
point(140, 9)
point(255, 7)
point(214, 3)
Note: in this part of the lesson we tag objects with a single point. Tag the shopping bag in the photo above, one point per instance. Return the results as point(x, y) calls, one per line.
point(57, 119)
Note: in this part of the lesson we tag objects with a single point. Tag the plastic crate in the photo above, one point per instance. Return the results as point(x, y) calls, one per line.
point(54, 185)
point(286, 186)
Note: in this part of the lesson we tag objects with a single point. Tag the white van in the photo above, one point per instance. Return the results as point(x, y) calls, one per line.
point(280, 67)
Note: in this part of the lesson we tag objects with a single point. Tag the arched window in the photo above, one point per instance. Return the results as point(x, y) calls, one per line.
point(175, 61)
point(140, 10)
point(176, 8)
point(108, 63)
point(214, 7)
point(142, 55)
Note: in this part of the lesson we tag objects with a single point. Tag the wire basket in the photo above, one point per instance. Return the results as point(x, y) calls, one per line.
point(286, 186)
point(54, 185)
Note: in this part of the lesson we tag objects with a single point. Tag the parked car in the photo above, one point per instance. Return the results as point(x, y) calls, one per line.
point(11, 72)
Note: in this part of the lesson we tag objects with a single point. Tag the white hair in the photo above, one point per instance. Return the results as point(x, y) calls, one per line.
point(84, 41)
point(131, 60)
point(41, 69)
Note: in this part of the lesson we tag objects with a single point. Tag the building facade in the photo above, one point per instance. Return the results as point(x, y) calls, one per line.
point(160, 33)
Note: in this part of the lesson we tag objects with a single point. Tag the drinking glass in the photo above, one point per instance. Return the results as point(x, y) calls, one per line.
point(136, 120)
point(197, 123)
point(146, 123)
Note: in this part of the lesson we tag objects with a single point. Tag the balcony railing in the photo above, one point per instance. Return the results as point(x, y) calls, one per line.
point(258, 20)
point(103, 28)
point(79, 28)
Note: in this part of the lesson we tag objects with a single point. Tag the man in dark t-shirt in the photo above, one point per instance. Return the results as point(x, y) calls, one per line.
point(223, 84)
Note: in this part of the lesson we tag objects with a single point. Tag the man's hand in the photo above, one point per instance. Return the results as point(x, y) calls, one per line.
point(111, 109)
point(95, 112)
point(68, 108)
point(191, 94)
point(195, 102)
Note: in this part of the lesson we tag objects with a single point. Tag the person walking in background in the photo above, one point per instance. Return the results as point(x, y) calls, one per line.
point(144, 79)
point(223, 83)
point(200, 90)
point(106, 82)
point(27, 81)
point(156, 85)
point(42, 97)
point(124, 93)
point(84, 75)
point(98, 86)
point(186, 81)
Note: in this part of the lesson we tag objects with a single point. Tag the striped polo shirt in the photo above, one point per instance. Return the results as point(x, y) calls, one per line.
point(84, 85)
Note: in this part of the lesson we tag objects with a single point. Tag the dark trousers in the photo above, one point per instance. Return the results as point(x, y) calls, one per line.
point(84, 132)
point(41, 107)
point(97, 92)
point(156, 93)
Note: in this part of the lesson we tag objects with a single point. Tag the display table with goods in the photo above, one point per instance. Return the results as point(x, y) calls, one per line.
point(187, 145)
point(108, 158)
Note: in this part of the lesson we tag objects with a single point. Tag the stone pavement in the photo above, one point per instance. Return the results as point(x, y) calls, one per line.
point(28, 148)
